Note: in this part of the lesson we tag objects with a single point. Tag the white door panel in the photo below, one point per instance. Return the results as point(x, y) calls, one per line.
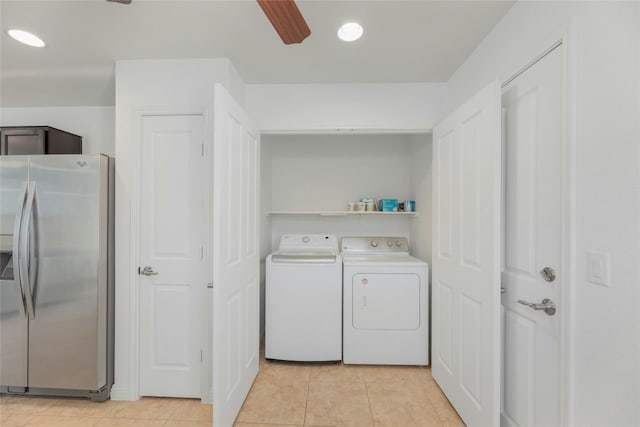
point(171, 232)
point(533, 231)
point(466, 263)
point(235, 258)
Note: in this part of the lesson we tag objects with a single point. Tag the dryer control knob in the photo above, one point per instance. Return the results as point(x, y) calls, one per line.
point(306, 239)
point(389, 243)
point(374, 243)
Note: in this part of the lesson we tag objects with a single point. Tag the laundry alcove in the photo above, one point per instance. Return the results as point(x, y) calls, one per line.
point(308, 178)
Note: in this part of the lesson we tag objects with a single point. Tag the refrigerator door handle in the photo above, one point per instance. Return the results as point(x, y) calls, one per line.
point(24, 253)
point(16, 249)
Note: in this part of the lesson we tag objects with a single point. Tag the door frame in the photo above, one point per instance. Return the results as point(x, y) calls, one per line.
point(134, 239)
point(567, 43)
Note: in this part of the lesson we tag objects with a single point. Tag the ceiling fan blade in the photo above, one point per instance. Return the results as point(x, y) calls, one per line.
point(287, 20)
point(121, 1)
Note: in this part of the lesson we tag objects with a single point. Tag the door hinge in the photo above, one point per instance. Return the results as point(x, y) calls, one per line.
point(201, 355)
point(202, 149)
point(201, 253)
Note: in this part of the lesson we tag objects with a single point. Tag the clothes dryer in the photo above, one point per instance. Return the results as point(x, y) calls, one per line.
point(386, 300)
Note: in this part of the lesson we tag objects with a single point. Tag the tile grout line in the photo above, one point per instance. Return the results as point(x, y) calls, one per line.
point(306, 402)
point(366, 389)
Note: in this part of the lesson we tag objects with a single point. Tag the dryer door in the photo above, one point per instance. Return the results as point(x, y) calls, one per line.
point(386, 301)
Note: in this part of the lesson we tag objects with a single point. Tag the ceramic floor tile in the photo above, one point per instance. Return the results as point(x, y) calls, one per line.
point(83, 408)
point(407, 405)
point(338, 404)
point(150, 408)
point(398, 374)
point(454, 423)
point(128, 422)
point(182, 423)
point(336, 373)
point(286, 371)
point(265, 425)
point(192, 410)
point(443, 408)
point(53, 421)
point(275, 400)
point(15, 420)
point(25, 405)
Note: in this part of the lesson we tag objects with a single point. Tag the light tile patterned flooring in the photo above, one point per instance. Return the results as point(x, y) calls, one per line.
point(146, 412)
point(345, 395)
point(283, 395)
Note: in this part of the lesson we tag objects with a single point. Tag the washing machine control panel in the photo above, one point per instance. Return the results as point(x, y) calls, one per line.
point(373, 245)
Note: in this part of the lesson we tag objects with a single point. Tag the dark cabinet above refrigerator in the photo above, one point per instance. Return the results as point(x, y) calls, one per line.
point(38, 140)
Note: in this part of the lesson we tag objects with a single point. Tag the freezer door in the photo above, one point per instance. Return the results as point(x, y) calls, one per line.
point(13, 320)
point(67, 336)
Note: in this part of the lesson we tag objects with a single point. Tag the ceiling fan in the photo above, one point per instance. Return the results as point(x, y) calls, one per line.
point(284, 15)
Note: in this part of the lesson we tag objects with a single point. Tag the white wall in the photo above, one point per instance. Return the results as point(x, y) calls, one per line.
point(164, 87)
point(325, 172)
point(299, 107)
point(265, 222)
point(421, 150)
point(96, 125)
point(322, 173)
point(607, 319)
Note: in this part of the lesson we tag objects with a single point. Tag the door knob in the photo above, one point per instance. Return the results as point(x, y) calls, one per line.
point(548, 274)
point(547, 305)
point(147, 271)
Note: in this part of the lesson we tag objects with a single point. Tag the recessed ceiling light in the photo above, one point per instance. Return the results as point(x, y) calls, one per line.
point(350, 31)
point(26, 38)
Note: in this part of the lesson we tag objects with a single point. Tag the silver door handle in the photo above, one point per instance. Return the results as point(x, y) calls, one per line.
point(16, 249)
point(24, 254)
point(147, 271)
point(547, 305)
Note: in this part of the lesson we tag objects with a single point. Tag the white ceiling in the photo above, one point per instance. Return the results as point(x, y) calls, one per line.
point(404, 41)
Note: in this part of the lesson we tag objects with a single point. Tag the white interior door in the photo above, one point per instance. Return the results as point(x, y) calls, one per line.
point(171, 248)
point(532, 106)
point(466, 259)
point(236, 258)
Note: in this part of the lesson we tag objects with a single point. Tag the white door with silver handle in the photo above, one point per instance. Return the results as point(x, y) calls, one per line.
point(531, 274)
point(172, 283)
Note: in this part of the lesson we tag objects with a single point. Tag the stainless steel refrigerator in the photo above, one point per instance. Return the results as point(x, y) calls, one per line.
point(56, 275)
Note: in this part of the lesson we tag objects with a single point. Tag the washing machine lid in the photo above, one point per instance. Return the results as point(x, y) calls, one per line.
point(307, 249)
point(308, 243)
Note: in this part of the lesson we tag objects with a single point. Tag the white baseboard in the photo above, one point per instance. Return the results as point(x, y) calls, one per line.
point(123, 393)
point(208, 397)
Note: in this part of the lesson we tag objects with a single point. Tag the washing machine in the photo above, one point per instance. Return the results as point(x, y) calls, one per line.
point(386, 300)
point(303, 299)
